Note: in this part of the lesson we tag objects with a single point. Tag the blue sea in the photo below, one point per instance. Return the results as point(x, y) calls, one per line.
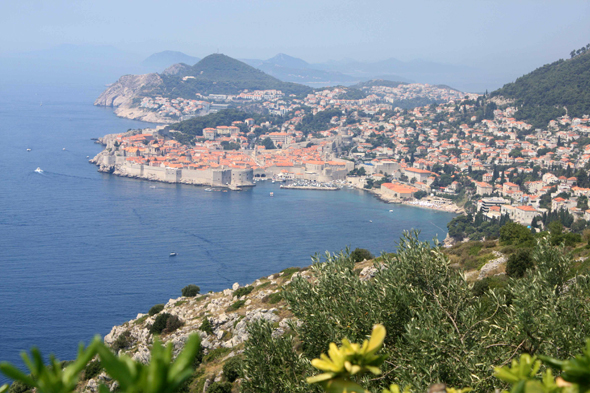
point(81, 251)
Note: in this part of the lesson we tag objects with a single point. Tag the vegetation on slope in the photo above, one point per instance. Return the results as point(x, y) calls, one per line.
point(377, 82)
point(190, 128)
point(319, 122)
point(551, 90)
point(220, 74)
point(440, 327)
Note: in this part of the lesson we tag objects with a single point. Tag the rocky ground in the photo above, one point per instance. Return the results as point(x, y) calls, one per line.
point(228, 315)
point(123, 94)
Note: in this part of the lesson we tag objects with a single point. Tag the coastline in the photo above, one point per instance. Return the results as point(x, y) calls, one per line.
point(447, 207)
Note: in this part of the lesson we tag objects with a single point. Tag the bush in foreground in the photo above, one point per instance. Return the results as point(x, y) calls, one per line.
point(360, 254)
point(155, 309)
point(191, 290)
point(518, 263)
point(165, 323)
point(219, 387)
point(232, 368)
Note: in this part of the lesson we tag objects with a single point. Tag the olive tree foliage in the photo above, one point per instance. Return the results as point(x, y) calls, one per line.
point(272, 364)
point(343, 365)
point(437, 329)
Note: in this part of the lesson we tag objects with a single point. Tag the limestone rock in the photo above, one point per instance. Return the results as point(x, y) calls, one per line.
point(175, 69)
point(127, 88)
point(91, 386)
point(492, 265)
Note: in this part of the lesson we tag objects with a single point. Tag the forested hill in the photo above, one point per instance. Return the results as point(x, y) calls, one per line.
point(544, 94)
point(220, 74)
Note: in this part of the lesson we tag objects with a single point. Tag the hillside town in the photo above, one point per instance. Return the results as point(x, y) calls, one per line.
point(465, 154)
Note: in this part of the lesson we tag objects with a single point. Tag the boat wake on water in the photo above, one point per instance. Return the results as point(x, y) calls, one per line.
point(72, 176)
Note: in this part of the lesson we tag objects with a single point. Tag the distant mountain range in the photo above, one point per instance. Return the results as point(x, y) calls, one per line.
point(82, 63)
point(348, 72)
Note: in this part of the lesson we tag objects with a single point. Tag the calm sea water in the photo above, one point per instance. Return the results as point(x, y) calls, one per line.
point(82, 251)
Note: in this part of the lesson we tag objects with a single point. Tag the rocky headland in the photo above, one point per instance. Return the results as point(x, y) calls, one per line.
point(123, 94)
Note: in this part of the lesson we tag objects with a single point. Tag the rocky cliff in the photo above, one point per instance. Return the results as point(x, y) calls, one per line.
point(127, 88)
point(220, 318)
point(177, 69)
point(122, 94)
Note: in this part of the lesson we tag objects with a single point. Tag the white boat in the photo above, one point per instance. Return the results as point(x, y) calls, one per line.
point(272, 194)
point(28, 149)
point(39, 170)
point(391, 211)
point(172, 254)
point(152, 186)
point(208, 189)
point(64, 148)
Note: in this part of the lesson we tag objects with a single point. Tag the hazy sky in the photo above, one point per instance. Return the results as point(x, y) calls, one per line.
point(514, 35)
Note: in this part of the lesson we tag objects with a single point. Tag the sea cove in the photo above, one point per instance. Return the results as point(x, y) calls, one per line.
point(82, 251)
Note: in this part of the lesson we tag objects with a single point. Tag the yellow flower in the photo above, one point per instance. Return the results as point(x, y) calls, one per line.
point(350, 359)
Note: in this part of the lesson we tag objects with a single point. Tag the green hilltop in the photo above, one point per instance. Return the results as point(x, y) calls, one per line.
point(221, 74)
point(553, 90)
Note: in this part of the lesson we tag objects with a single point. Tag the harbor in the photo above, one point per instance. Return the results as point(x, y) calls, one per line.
point(314, 185)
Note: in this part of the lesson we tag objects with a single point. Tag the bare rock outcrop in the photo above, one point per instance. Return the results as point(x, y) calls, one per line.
point(176, 69)
point(128, 87)
point(491, 267)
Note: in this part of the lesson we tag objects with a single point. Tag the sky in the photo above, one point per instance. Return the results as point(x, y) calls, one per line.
point(503, 37)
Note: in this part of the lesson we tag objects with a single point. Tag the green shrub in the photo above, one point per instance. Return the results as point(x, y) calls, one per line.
point(518, 263)
point(243, 291)
point(197, 361)
point(140, 320)
point(219, 387)
point(475, 249)
point(123, 341)
point(272, 364)
point(206, 326)
point(191, 290)
point(236, 305)
point(428, 308)
point(160, 323)
point(232, 369)
point(155, 309)
point(516, 235)
point(92, 369)
point(273, 298)
point(20, 387)
point(288, 272)
point(489, 244)
point(215, 354)
point(480, 287)
point(266, 284)
point(360, 254)
point(173, 323)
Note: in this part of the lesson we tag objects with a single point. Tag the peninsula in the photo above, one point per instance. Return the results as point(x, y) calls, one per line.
point(499, 156)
